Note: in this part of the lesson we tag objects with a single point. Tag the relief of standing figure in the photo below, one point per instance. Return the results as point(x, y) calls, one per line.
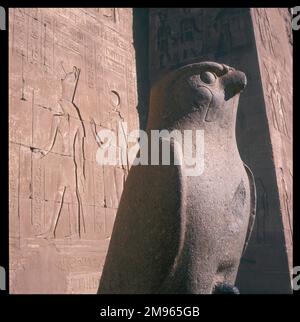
point(68, 123)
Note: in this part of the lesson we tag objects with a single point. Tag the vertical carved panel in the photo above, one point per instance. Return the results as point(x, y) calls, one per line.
point(275, 57)
point(72, 71)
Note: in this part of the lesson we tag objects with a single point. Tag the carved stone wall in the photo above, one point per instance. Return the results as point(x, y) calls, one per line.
point(274, 41)
point(256, 41)
point(270, 260)
point(72, 72)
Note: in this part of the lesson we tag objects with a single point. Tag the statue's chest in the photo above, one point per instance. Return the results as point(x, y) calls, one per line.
point(220, 198)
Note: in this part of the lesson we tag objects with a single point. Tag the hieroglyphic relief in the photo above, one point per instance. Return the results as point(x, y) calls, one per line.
point(272, 33)
point(69, 125)
point(178, 34)
point(268, 37)
point(71, 74)
point(286, 181)
point(277, 100)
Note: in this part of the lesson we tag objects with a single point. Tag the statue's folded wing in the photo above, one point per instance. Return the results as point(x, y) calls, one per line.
point(148, 231)
point(252, 206)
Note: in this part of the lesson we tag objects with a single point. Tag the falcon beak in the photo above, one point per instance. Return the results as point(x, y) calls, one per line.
point(234, 82)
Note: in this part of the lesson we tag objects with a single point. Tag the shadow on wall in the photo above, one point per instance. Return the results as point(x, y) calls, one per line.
point(141, 45)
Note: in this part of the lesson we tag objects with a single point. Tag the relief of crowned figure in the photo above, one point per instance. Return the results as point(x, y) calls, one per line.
point(67, 125)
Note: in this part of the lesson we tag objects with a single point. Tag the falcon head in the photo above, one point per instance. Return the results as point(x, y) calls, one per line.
point(209, 90)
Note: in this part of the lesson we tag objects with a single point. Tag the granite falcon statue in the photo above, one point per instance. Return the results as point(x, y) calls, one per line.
point(175, 233)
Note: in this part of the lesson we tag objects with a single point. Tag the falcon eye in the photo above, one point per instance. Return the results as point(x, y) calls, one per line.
point(208, 77)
